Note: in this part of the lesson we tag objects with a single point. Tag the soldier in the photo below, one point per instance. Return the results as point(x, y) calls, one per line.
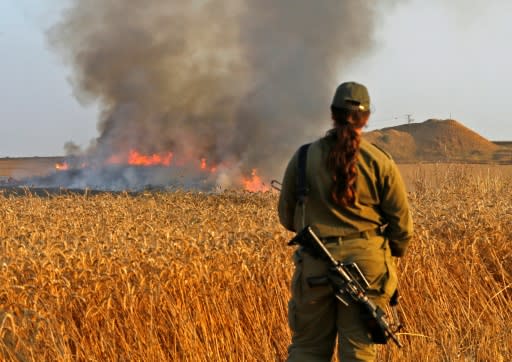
point(354, 190)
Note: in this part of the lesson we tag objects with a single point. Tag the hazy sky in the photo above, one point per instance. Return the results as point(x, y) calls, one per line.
point(430, 60)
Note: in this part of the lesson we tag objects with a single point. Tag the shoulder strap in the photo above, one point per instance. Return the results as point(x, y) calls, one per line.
point(302, 185)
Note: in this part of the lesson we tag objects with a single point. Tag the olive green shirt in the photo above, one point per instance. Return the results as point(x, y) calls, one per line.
point(381, 197)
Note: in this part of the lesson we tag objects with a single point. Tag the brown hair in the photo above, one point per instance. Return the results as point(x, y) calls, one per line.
point(342, 158)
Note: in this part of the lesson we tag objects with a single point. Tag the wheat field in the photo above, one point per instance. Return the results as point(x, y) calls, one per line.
point(183, 276)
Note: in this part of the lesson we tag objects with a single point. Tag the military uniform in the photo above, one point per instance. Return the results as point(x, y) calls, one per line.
point(315, 316)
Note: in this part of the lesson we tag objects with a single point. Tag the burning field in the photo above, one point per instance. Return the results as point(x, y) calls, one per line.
point(136, 171)
point(201, 94)
point(206, 95)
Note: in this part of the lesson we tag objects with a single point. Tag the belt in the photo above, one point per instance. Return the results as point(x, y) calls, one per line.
point(358, 235)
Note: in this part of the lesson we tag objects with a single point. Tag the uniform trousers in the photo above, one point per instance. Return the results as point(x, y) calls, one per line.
point(316, 318)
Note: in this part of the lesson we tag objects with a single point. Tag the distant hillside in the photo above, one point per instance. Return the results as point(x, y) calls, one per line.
point(503, 143)
point(438, 140)
point(19, 167)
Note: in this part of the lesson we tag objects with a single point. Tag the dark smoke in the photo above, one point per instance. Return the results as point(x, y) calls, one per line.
point(243, 82)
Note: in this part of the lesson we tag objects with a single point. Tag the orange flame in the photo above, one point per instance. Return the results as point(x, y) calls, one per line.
point(254, 183)
point(204, 166)
point(137, 159)
point(61, 166)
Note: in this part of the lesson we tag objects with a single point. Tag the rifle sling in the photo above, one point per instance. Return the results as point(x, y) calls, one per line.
point(302, 184)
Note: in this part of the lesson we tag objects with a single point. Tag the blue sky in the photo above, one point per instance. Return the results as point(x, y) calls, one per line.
point(431, 60)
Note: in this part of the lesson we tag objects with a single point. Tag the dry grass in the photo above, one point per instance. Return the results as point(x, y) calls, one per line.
point(196, 277)
point(457, 278)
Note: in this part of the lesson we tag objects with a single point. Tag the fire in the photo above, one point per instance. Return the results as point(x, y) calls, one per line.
point(204, 166)
point(135, 158)
point(254, 183)
point(61, 166)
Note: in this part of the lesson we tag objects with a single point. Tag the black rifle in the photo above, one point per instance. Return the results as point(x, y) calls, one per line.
point(352, 278)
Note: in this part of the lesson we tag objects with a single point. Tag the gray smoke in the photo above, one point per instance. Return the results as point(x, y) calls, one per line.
point(240, 82)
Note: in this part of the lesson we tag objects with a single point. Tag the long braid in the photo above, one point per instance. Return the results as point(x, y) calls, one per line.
point(342, 158)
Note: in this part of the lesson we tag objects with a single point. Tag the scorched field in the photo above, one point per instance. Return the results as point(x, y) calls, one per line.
point(183, 276)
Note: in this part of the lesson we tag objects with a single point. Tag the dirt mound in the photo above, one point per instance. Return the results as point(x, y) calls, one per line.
point(433, 140)
point(401, 145)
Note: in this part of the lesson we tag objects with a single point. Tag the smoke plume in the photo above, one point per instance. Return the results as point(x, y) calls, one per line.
point(239, 82)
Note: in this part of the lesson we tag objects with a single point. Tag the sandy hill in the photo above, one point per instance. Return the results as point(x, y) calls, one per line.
point(436, 140)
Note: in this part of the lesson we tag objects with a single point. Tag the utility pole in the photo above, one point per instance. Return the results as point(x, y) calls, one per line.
point(409, 118)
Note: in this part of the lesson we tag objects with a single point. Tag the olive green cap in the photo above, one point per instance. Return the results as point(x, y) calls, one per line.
point(351, 95)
